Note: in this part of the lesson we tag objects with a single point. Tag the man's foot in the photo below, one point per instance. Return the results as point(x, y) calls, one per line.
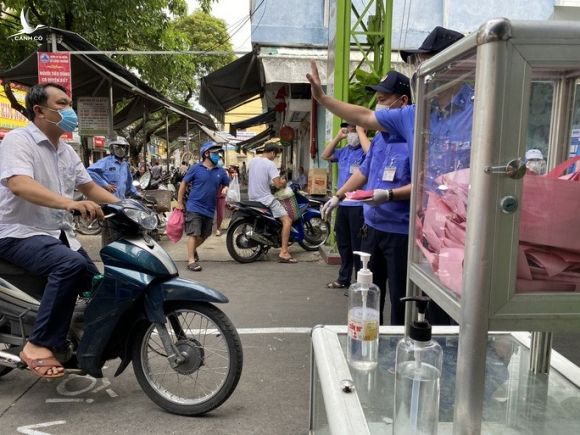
point(194, 267)
point(336, 284)
point(41, 361)
point(196, 257)
point(218, 233)
point(290, 260)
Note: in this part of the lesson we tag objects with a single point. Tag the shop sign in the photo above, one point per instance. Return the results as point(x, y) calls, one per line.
point(94, 116)
point(55, 68)
point(10, 118)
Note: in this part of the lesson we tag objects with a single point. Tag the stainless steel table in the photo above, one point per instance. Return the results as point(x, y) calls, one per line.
point(347, 401)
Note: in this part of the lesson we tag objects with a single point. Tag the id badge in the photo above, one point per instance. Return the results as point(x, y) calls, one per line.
point(389, 173)
point(352, 169)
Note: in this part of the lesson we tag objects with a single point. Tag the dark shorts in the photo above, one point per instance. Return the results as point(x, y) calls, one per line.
point(197, 224)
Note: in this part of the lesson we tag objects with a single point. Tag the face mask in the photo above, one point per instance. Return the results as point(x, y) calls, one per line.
point(215, 158)
point(352, 139)
point(220, 163)
point(380, 106)
point(68, 119)
point(119, 151)
point(538, 167)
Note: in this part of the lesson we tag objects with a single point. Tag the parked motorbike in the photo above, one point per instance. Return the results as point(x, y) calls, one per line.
point(253, 230)
point(186, 353)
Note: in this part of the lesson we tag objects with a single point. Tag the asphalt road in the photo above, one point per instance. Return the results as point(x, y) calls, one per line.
point(273, 305)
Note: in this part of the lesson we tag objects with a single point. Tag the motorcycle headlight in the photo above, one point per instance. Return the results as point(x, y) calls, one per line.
point(146, 219)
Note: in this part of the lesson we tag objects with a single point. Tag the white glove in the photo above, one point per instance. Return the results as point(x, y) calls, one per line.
point(380, 196)
point(328, 206)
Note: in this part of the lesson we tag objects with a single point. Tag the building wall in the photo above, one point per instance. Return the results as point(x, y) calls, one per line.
point(302, 22)
point(245, 111)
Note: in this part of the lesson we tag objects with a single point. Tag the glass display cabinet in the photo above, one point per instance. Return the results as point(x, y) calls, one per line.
point(495, 239)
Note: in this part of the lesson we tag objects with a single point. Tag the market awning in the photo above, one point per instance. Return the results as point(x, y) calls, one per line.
point(256, 141)
point(290, 65)
point(93, 74)
point(263, 118)
point(230, 86)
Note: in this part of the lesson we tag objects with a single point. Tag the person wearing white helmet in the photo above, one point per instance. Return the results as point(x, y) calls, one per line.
point(535, 161)
point(113, 172)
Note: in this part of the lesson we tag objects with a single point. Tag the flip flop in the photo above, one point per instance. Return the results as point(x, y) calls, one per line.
point(194, 267)
point(335, 284)
point(41, 366)
point(289, 260)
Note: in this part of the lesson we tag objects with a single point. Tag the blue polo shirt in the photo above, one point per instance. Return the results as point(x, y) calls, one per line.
point(349, 159)
point(110, 170)
point(205, 183)
point(392, 216)
point(449, 146)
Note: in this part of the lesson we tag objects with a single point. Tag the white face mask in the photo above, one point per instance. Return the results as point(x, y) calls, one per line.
point(380, 106)
point(352, 139)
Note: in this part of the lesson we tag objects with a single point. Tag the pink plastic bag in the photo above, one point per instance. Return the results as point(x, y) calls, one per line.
point(549, 213)
point(175, 224)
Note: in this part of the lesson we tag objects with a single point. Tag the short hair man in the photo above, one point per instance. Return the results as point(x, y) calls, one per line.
point(206, 179)
point(38, 175)
point(386, 231)
point(262, 173)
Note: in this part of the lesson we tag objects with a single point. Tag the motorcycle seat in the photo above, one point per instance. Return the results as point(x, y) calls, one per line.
point(21, 278)
point(255, 204)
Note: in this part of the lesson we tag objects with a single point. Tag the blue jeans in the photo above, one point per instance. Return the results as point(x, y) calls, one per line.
point(68, 274)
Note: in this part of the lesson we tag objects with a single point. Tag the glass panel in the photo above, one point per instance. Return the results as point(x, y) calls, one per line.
point(515, 401)
point(319, 418)
point(549, 248)
point(575, 129)
point(441, 218)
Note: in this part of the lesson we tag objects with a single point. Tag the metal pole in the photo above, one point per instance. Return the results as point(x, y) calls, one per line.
point(145, 134)
point(167, 137)
point(111, 108)
point(388, 22)
point(471, 358)
point(541, 352)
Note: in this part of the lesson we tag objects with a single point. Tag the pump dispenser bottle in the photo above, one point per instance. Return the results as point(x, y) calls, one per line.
point(363, 319)
point(417, 378)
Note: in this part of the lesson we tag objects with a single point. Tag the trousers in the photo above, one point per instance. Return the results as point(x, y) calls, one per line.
point(68, 274)
point(388, 264)
point(348, 224)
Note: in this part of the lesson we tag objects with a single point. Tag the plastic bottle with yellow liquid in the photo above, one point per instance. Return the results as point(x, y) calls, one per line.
point(363, 319)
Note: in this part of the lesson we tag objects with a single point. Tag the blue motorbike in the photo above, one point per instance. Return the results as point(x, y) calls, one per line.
point(186, 353)
point(253, 230)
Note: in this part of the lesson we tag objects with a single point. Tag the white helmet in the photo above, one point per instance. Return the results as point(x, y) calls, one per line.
point(119, 146)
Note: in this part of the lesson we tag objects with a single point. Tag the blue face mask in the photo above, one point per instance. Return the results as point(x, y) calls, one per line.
point(215, 158)
point(68, 119)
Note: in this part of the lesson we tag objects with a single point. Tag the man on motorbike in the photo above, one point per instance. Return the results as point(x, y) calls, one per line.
point(38, 175)
point(262, 174)
point(205, 178)
point(112, 172)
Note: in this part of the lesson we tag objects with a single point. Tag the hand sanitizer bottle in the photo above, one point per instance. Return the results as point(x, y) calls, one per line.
point(417, 378)
point(363, 319)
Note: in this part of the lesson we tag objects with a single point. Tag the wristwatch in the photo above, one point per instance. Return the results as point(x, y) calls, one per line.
point(389, 195)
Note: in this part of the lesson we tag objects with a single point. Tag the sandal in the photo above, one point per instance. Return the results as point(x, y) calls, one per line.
point(194, 267)
point(289, 260)
point(196, 257)
point(336, 284)
point(41, 366)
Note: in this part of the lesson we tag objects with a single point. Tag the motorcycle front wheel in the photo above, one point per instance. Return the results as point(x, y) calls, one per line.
point(86, 226)
point(240, 246)
point(210, 344)
point(315, 234)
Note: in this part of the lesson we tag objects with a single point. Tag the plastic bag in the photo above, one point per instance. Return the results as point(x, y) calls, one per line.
point(175, 225)
point(284, 193)
point(233, 194)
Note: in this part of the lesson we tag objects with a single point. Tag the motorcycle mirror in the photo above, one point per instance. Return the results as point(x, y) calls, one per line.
point(145, 180)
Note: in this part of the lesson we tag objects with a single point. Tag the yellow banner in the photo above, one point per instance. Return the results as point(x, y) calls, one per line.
point(10, 118)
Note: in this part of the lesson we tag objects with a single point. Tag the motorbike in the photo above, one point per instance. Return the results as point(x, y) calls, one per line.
point(186, 353)
point(253, 230)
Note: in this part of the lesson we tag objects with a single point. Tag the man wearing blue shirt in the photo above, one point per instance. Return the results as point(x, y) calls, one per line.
point(205, 179)
point(386, 166)
point(447, 130)
point(113, 172)
point(349, 218)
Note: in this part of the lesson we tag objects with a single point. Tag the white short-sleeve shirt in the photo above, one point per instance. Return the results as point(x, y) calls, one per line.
point(27, 151)
point(261, 172)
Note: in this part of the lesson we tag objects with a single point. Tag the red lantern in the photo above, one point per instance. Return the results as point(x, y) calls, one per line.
point(286, 133)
